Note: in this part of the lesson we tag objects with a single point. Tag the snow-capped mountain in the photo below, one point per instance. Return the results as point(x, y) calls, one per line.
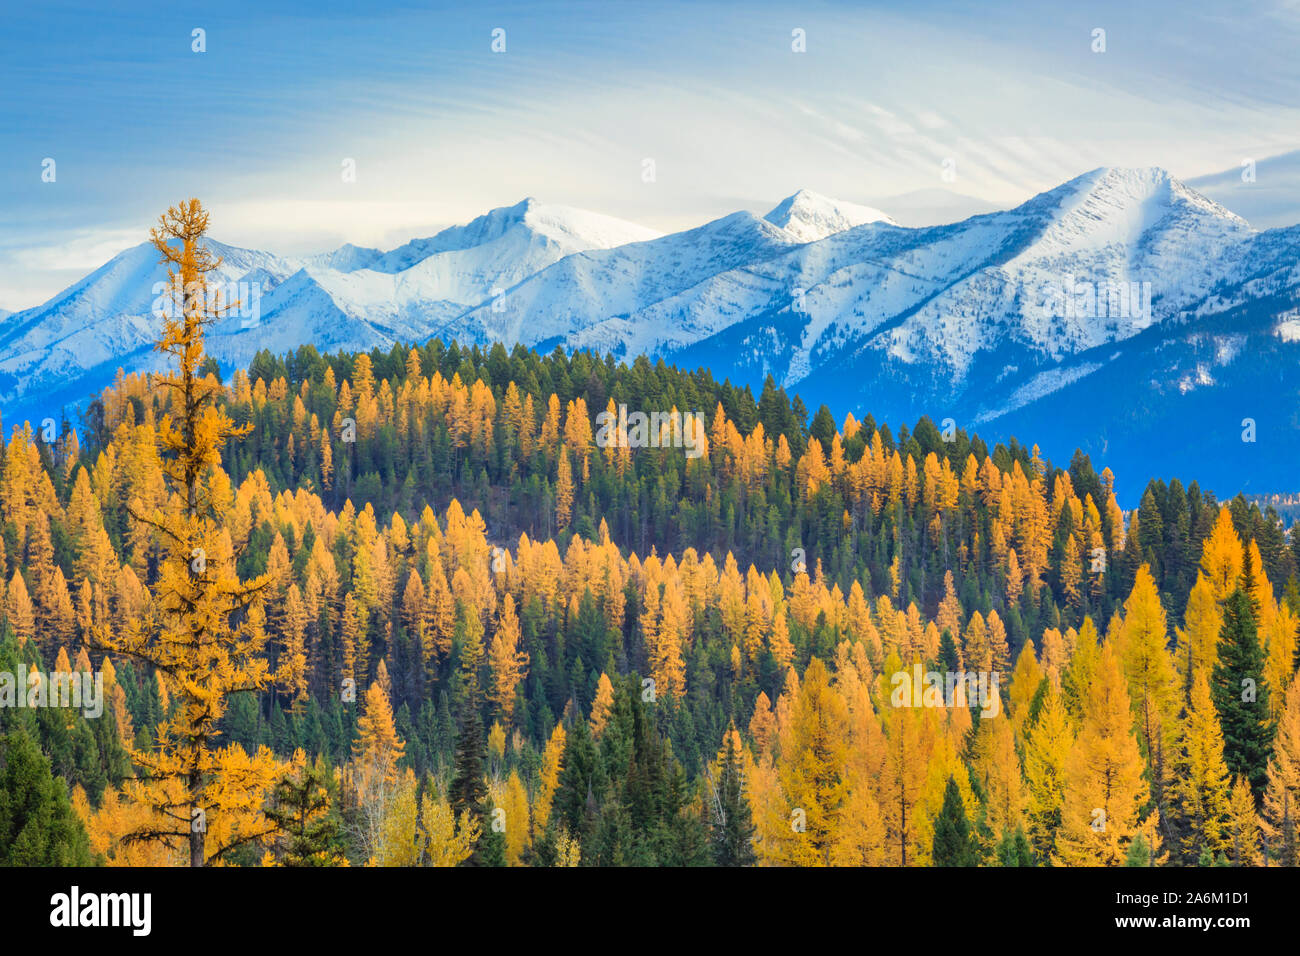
point(1119, 286)
point(414, 291)
point(809, 216)
point(584, 300)
point(352, 298)
point(61, 352)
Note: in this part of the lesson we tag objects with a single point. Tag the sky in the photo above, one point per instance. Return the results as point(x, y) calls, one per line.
point(991, 101)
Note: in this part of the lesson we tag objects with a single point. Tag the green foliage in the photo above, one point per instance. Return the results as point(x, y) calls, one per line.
point(1139, 852)
point(1241, 694)
point(1014, 850)
point(302, 807)
point(37, 824)
point(954, 843)
point(732, 821)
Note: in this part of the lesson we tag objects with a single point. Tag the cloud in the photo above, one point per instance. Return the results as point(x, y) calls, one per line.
point(82, 252)
point(442, 129)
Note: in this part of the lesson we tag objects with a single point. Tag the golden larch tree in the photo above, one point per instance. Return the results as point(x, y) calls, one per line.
point(204, 628)
point(1047, 745)
point(509, 664)
point(811, 769)
point(1199, 783)
point(1104, 785)
point(1281, 816)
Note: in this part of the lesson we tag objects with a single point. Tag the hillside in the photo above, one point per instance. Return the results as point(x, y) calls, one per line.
point(625, 646)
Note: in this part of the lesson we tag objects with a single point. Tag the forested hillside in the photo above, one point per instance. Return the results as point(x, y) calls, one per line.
point(441, 625)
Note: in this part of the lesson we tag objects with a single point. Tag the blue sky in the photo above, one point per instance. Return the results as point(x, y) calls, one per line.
point(442, 129)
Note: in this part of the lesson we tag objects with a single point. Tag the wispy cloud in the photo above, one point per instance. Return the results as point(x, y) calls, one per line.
point(441, 128)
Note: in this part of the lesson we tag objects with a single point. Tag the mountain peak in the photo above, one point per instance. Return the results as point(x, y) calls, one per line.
point(1126, 205)
point(516, 213)
point(809, 216)
point(346, 258)
point(1144, 184)
point(578, 229)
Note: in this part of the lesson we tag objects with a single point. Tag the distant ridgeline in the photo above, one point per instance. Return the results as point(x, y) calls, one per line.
point(1286, 506)
point(481, 425)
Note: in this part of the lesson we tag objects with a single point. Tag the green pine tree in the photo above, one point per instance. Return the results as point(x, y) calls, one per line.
point(1014, 850)
point(953, 843)
point(947, 652)
point(468, 791)
point(1240, 694)
point(733, 823)
point(301, 807)
point(38, 826)
point(1139, 852)
point(491, 847)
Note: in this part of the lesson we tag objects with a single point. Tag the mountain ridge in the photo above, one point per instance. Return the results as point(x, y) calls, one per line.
point(980, 321)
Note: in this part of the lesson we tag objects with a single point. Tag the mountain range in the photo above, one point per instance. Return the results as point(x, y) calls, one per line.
point(1122, 313)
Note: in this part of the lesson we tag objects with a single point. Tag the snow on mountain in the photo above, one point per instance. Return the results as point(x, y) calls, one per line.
point(585, 299)
point(1106, 230)
point(809, 216)
point(72, 344)
point(346, 258)
point(986, 321)
point(942, 301)
point(546, 231)
point(412, 292)
point(351, 298)
point(938, 301)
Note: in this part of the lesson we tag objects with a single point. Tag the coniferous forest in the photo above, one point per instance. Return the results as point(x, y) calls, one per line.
point(404, 609)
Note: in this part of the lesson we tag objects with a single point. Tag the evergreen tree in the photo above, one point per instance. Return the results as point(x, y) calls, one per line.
point(37, 824)
point(733, 822)
point(1014, 850)
point(468, 791)
point(300, 807)
point(1139, 852)
point(1241, 694)
point(954, 844)
point(948, 653)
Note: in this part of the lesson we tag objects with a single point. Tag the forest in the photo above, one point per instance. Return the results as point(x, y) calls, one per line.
point(402, 609)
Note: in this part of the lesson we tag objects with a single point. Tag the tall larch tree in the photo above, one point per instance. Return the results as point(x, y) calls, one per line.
point(1105, 789)
point(1198, 639)
point(1148, 669)
point(508, 663)
point(1222, 556)
point(909, 741)
point(1199, 787)
point(1047, 745)
point(1281, 805)
point(811, 770)
point(203, 628)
